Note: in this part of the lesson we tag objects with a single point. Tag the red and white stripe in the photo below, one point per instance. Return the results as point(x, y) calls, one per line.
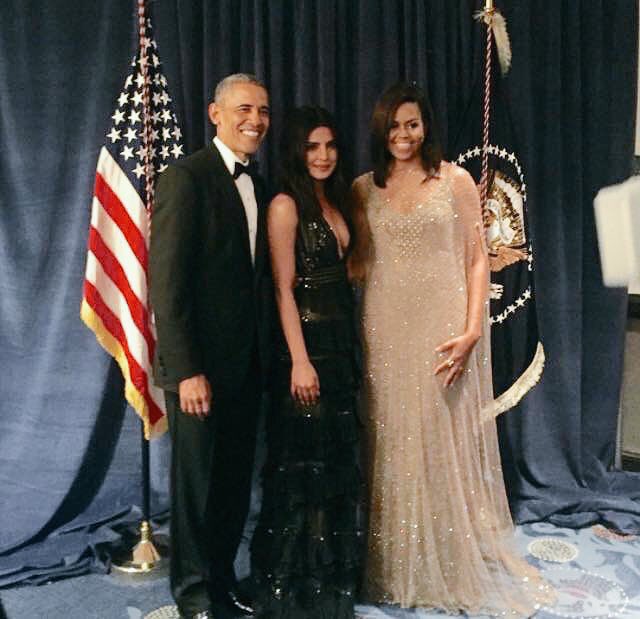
point(115, 303)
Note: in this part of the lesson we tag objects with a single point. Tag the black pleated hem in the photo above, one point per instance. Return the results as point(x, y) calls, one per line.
point(297, 605)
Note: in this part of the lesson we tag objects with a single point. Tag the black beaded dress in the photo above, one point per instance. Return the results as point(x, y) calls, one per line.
point(306, 548)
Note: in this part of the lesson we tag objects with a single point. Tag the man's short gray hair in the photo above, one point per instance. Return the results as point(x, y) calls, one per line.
point(231, 80)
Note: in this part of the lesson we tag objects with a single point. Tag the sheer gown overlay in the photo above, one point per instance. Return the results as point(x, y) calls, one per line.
point(440, 531)
point(306, 547)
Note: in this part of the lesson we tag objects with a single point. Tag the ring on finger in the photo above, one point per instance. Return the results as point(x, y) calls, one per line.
point(450, 363)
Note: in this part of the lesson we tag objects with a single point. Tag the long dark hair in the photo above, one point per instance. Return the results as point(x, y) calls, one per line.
point(382, 119)
point(294, 178)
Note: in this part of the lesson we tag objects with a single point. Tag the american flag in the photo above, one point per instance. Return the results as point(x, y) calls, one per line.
point(143, 138)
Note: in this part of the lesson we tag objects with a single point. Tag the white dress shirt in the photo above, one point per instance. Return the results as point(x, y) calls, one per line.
point(244, 183)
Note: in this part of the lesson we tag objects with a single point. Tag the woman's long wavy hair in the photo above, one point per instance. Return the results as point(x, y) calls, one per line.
point(382, 119)
point(294, 178)
point(430, 156)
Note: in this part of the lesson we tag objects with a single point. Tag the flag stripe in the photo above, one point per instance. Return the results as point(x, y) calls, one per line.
point(117, 304)
point(114, 300)
point(112, 205)
point(136, 399)
point(120, 184)
point(113, 325)
point(115, 240)
point(114, 270)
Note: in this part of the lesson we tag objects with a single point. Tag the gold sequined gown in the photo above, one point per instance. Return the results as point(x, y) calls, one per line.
point(440, 530)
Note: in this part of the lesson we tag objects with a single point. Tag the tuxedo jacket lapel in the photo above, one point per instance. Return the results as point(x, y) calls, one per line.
point(261, 233)
point(230, 200)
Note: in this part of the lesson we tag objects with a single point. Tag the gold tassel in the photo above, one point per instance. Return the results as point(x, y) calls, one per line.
point(503, 45)
point(494, 20)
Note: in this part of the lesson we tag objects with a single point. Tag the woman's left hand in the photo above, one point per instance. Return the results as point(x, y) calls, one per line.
point(459, 349)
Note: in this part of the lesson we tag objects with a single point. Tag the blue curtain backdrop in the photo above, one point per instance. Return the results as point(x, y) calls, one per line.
point(69, 448)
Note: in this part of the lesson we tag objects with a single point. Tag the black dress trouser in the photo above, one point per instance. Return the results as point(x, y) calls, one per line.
point(211, 468)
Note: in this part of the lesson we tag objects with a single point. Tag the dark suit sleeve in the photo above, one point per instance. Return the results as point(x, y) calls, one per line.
point(174, 241)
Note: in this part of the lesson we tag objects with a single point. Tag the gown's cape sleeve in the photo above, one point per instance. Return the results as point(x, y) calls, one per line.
point(469, 214)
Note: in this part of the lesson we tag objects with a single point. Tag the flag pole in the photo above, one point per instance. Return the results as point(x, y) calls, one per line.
point(146, 556)
point(486, 108)
point(496, 33)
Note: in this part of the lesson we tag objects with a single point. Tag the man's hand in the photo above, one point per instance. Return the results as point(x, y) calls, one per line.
point(195, 396)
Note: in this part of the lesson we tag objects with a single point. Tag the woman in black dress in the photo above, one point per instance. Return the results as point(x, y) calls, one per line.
point(305, 549)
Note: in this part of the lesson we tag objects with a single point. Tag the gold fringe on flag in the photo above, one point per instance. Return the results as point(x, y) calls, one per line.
point(132, 394)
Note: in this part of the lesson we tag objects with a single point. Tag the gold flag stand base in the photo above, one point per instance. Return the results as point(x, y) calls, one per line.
point(146, 556)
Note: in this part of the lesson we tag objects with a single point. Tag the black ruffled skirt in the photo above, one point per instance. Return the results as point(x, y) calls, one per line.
point(306, 551)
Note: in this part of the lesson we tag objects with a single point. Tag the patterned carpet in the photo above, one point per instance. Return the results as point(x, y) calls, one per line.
point(601, 581)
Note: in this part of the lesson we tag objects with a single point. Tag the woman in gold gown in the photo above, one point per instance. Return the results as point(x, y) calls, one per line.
point(440, 531)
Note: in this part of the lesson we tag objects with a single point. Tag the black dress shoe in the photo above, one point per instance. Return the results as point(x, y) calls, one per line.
point(203, 614)
point(222, 610)
point(219, 610)
point(240, 602)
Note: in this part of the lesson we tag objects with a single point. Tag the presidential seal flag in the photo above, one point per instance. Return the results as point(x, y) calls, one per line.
point(487, 147)
point(144, 136)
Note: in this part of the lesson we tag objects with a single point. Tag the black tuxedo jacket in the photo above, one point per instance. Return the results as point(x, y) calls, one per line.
point(212, 306)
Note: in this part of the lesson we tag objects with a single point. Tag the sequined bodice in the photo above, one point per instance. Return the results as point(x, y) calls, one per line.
point(417, 229)
point(417, 258)
point(322, 292)
point(316, 245)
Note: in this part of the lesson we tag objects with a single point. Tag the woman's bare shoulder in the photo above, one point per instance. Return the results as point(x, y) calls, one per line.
point(283, 208)
point(282, 201)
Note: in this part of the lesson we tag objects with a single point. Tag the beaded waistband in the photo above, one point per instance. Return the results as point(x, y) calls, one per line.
point(326, 275)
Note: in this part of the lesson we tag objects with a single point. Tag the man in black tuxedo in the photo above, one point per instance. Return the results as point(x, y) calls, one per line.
point(210, 292)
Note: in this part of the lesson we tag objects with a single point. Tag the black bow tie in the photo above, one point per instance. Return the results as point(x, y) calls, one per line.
point(251, 169)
